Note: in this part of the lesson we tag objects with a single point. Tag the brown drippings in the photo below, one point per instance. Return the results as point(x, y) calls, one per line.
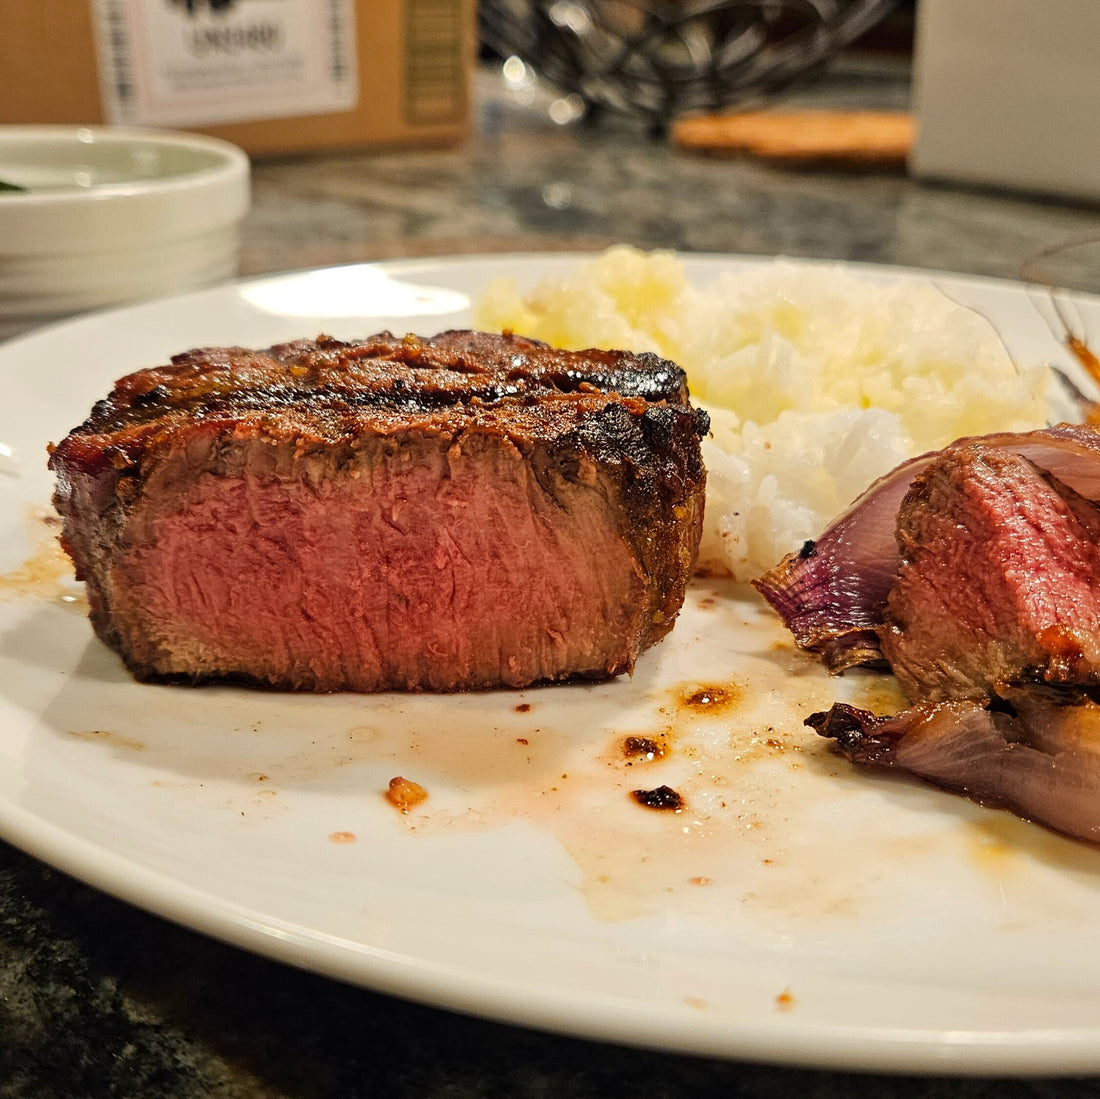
point(404, 794)
point(663, 798)
point(342, 837)
point(48, 570)
point(708, 699)
point(523, 708)
point(116, 740)
point(784, 1001)
point(643, 748)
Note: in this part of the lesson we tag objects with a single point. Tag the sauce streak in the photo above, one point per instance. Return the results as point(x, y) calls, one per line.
point(116, 740)
point(48, 570)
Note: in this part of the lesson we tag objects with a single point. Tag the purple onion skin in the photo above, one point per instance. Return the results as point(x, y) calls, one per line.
point(1035, 751)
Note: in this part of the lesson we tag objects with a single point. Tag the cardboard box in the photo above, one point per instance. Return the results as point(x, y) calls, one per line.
point(273, 76)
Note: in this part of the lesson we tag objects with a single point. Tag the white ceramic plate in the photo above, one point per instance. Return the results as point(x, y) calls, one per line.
point(797, 912)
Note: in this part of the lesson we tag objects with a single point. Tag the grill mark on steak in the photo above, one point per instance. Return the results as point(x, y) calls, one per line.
point(461, 512)
point(452, 369)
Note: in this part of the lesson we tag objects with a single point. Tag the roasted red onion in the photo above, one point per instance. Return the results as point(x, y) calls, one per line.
point(1036, 752)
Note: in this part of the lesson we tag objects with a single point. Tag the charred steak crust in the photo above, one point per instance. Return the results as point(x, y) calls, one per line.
point(457, 512)
point(338, 380)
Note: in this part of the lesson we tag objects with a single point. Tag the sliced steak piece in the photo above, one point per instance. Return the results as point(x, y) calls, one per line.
point(975, 572)
point(461, 512)
point(833, 593)
point(999, 579)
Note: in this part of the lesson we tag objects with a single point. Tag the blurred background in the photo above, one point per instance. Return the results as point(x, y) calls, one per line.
point(807, 127)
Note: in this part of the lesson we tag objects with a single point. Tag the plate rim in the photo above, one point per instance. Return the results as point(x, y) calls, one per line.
point(416, 265)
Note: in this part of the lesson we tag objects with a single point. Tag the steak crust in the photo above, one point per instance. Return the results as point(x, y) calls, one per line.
point(461, 512)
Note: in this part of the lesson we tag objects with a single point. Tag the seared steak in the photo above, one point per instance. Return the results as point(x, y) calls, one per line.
point(461, 512)
point(999, 580)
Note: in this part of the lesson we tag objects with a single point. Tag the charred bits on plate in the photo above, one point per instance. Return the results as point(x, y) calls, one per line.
point(663, 799)
point(644, 749)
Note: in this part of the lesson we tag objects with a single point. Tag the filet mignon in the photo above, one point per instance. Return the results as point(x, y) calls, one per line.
point(461, 512)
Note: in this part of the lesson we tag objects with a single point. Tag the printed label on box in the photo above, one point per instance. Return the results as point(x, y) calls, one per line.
point(203, 62)
point(435, 88)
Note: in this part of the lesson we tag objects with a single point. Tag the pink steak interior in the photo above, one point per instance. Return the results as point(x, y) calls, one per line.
point(426, 563)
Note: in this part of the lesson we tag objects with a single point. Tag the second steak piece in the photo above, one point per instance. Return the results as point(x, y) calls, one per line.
point(464, 512)
point(999, 579)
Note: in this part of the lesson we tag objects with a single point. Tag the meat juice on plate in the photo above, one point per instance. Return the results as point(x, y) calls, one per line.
point(48, 570)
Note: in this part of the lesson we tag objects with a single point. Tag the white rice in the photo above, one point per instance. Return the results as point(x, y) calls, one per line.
point(818, 380)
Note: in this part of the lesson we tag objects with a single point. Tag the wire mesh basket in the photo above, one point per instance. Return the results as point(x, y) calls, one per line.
point(660, 58)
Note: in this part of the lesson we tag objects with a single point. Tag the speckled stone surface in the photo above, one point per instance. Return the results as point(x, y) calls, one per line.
point(99, 999)
point(524, 183)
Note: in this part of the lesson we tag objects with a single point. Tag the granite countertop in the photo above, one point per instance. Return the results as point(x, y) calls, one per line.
point(523, 183)
point(98, 998)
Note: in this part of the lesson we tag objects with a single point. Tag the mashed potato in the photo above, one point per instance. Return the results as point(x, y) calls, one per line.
point(818, 380)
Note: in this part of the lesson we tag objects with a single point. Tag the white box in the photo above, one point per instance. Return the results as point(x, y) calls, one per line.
point(1007, 93)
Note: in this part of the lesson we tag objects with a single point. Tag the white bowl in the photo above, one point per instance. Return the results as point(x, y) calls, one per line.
point(113, 215)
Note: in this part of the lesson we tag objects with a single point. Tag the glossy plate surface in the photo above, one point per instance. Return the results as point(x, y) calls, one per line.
point(795, 912)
